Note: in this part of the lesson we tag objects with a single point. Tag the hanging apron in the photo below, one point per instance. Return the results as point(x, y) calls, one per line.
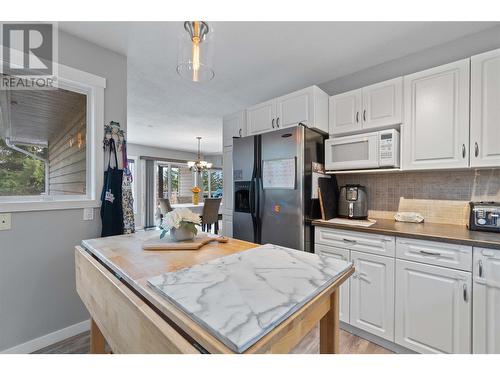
point(111, 197)
point(128, 199)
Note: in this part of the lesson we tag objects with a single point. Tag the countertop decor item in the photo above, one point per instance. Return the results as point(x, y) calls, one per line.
point(409, 217)
point(181, 223)
point(196, 195)
point(200, 240)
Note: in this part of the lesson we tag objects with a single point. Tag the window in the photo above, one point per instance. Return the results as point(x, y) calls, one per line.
point(50, 143)
point(212, 183)
point(174, 182)
point(43, 143)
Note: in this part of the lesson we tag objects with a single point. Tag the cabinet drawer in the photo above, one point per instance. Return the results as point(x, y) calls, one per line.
point(368, 243)
point(435, 253)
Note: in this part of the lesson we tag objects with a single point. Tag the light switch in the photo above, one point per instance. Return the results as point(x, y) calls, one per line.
point(5, 221)
point(88, 214)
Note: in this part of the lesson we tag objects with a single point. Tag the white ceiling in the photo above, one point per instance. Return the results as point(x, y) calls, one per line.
point(254, 61)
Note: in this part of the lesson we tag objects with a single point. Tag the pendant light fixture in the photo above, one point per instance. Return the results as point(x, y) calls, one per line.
point(199, 165)
point(195, 55)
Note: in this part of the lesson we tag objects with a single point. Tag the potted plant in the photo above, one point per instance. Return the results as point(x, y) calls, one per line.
point(196, 195)
point(181, 223)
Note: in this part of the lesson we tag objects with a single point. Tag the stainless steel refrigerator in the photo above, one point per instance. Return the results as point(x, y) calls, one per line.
point(272, 175)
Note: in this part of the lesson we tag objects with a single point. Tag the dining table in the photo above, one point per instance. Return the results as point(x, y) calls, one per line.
point(196, 208)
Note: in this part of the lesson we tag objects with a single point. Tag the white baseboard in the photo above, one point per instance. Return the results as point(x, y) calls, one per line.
point(53, 337)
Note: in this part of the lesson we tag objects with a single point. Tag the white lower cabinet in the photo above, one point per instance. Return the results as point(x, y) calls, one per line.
point(433, 308)
point(486, 304)
point(343, 254)
point(227, 225)
point(372, 294)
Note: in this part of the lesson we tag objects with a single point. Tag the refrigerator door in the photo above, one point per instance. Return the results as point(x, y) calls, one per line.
point(244, 218)
point(281, 209)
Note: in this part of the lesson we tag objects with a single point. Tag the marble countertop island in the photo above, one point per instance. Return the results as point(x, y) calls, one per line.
point(234, 297)
point(241, 297)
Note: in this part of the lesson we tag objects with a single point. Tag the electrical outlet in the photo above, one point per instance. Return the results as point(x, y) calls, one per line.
point(88, 214)
point(5, 221)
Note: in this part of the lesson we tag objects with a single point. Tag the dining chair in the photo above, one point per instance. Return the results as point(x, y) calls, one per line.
point(164, 205)
point(210, 215)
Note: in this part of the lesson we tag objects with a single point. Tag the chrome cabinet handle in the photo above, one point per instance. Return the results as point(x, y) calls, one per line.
point(239, 132)
point(272, 123)
point(476, 149)
point(348, 240)
point(465, 294)
point(463, 150)
point(357, 116)
point(480, 271)
point(429, 253)
point(364, 115)
point(278, 122)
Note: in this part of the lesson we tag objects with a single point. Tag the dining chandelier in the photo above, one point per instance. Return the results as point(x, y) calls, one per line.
point(199, 165)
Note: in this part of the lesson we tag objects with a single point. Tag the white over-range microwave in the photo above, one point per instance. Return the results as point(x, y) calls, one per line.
point(363, 151)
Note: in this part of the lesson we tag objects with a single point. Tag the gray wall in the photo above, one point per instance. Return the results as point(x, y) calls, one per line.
point(445, 53)
point(140, 150)
point(37, 287)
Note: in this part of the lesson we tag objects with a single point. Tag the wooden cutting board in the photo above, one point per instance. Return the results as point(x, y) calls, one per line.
point(168, 244)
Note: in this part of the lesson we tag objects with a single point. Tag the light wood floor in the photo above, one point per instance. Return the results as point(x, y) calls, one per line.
point(349, 344)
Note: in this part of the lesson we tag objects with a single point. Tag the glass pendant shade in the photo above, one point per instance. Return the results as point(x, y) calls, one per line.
point(195, 53)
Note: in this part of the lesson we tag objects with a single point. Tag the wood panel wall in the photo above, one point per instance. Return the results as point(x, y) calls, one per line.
point(67, 159)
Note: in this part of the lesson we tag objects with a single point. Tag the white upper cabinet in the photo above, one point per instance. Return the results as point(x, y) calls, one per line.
point(485, 110)
point(233, 125)
point(376, 106)
point(486, 305)
point(436, 113)
point(383, 104)
point(345, 112)
point(433, 308)
point(308, 106)
point(372, 294)
point(261, 118)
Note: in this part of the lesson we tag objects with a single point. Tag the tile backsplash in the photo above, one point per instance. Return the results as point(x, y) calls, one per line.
point(386, 189)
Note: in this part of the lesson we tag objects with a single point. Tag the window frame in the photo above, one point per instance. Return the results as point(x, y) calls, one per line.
point(93, 87)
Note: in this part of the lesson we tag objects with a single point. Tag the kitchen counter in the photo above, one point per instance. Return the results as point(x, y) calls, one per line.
point(144, 302)
point(426, 231)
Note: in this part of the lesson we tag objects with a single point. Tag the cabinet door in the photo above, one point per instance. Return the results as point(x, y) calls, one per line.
point(383, 104)
point(338, 253)
point(227, 169)
point(233, 125)
point(436, 126)
point(261, 118)
point(486, 304)
point(227, 225)
point(433, 308)
point(485, 110)
point(372, 294)
point(294, 108)
point(345, 112)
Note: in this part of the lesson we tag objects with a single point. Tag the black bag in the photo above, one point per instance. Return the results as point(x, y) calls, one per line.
point(111, 197)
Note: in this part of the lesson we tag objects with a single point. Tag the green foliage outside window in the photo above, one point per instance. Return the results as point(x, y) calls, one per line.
point(19, 173)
